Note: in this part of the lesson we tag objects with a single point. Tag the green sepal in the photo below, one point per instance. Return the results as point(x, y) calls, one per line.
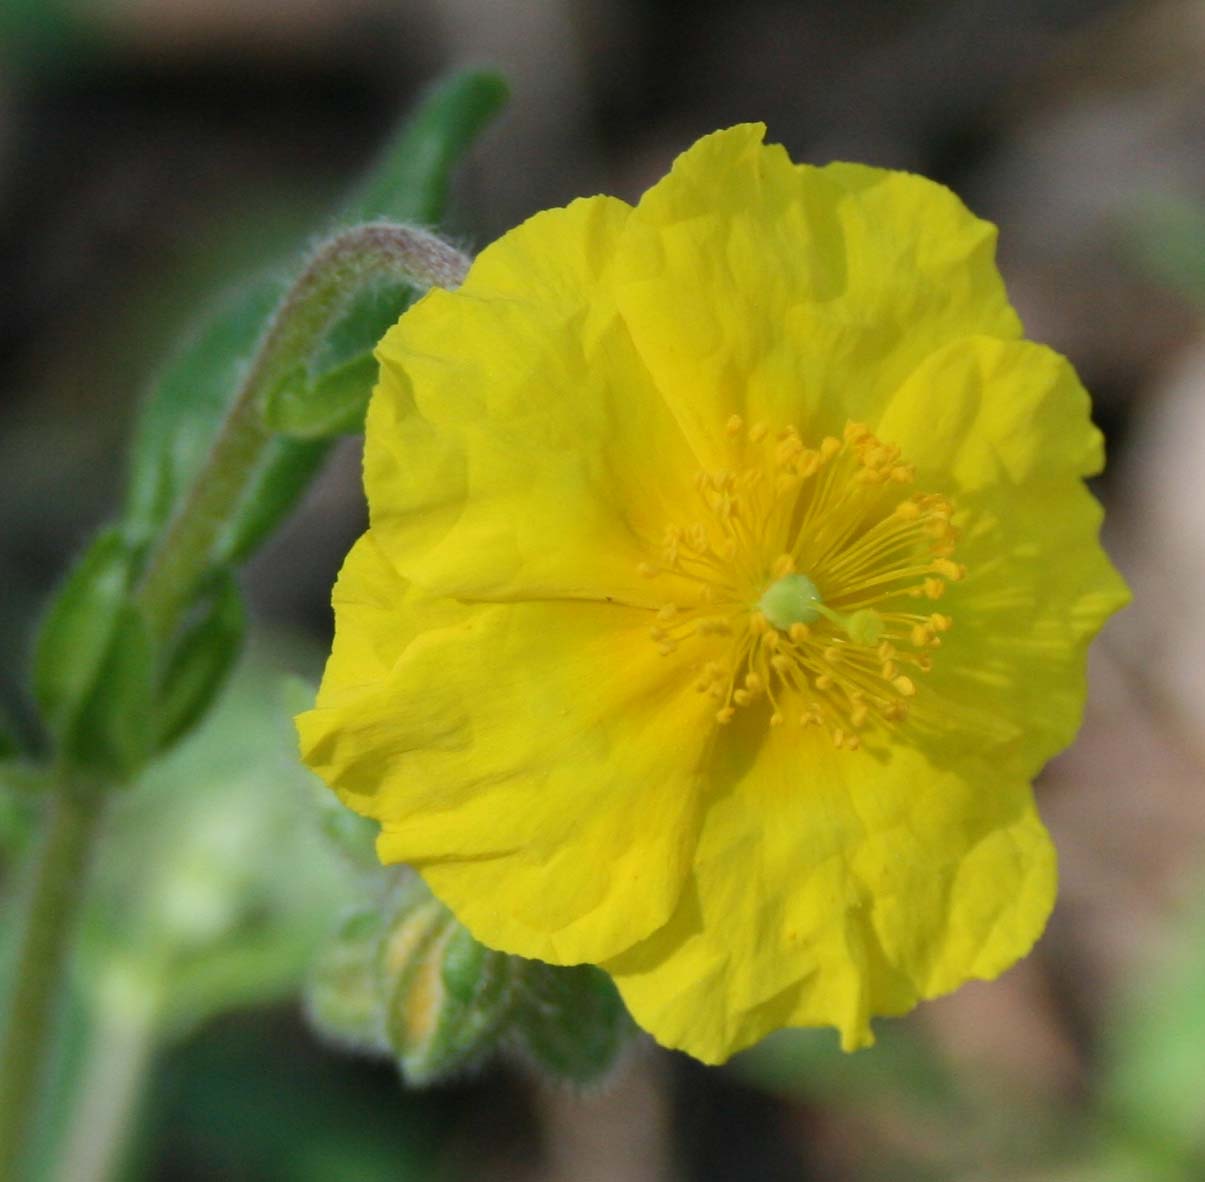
point(410, 181)
point(94, 666)
point(569, 1021)
point(113, 735)
point(330, 396)
point(200, 660)
point(76, 634)
point(343, 996)
point(450, 999)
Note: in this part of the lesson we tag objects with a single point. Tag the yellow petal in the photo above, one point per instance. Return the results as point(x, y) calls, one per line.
point(1003, 428)
point(515, 447)
point(521, 759)
point(832, 886)
point(758, 287)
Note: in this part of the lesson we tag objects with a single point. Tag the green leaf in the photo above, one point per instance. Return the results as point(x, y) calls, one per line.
point(410, 182)
point(10, 745)
point(569, 1021)
point(113, 734)
point(283, 474)
point(369, 314)
point(178, 422)
point(331, 396)
point(333, 405)
point(75, 636)
point(200, 661)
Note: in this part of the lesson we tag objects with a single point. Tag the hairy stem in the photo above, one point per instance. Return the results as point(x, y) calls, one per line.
point(53, 906)
point(340, 266)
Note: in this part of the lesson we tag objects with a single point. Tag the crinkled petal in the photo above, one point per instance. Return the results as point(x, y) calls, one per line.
point(518, 756)
point(1004, 429)
point(793, 294)
point(515, 447)
point(832, 886)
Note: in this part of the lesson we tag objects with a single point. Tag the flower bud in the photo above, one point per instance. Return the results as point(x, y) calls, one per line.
point(447, 997)
point(407, 979)
point(343, 998)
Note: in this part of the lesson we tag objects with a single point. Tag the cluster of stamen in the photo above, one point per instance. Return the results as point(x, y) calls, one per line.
point(807, 582)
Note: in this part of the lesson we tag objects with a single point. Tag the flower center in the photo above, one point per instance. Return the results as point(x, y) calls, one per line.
point(839, 646)
point(793, 599)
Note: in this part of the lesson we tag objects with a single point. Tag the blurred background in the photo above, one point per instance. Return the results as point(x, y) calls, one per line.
point(154, 152)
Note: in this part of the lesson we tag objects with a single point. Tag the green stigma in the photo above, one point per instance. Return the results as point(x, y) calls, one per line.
point(793, 599)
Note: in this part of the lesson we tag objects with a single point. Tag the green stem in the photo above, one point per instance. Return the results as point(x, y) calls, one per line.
point(341, 265)
point(177, 563)
point(119, 1057)
point(53, 906)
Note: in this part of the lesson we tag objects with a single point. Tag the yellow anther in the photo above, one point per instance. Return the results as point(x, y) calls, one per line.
point(823, 682)
point(784, 564)
point(799, 633)
point(776, 719)
point(667, 646)
point(735, 425)
point(758, 624)
point(907, 510)
point(933, 588)
point(948, 570)
point(922, 634)
point(725, 715)
point(940, 623)
point(885, 651)
point(807, 463)
point(656, 633)
point(754, 683)
point(855, 432)
point(742, 697)
point(903, 473)
point(758, 432)
point(838, 737)
point(647, 570)
point(781, 665)
point(770, 640)
point(788, 449)
point(859, 713)
point(888, 670)
point(832, 654)
point(905, 685)
point(667, 611)
point(829, 446)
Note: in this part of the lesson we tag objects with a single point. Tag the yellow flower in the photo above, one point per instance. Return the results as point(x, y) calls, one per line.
point(729, 578)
